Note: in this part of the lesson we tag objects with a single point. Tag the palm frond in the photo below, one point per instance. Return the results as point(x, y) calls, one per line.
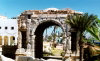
point(81, 22)
point(93, 34)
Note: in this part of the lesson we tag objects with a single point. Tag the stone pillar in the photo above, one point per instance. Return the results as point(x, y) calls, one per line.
point(28, 34)
point(2, 40)
point(33, 45)
point(9, 42)
point(15, 41)
point(28, 51)
point(19, 40)
point(68, 40)
point(0, 49)
point(32, 38)
point(20, 51)
point(68, 44)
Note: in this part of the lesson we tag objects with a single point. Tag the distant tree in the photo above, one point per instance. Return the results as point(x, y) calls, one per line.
point(49, 38)
point(14, 18)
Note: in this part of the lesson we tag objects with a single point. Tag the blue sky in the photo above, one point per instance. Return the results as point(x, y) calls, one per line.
point(12, 8)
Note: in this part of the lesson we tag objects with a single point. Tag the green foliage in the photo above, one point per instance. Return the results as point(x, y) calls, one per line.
point(95, 30)
point(46, 54)
point(56, 52)
point(49, 38)
point(81, 22)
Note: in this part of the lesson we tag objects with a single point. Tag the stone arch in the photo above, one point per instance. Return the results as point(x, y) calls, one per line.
point(39, 35)
point(34, 22)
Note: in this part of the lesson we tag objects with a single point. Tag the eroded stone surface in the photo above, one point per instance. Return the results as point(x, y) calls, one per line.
point(34, 22)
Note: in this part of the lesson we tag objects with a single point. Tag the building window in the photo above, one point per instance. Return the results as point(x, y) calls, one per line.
point(0, 27)
point(0, 40)
point(12, 28)
point(29, 16)
point(6, 27)
point(12, 40)
point(5, 40)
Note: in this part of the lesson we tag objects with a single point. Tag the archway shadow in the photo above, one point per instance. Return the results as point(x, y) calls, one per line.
point(39, 37)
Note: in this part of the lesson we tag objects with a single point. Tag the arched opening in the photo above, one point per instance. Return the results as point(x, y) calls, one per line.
point(5, 40)
point(39, 36)
point(12, 40)
point(0, 40)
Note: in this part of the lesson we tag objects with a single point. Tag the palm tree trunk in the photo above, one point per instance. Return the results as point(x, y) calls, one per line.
point(81, 48)
point(46, 35)
point(54, 32)
point(81, 53)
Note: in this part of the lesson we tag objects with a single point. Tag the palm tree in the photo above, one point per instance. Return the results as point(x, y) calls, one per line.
point(54, 39)
point(49, 38)
point(80, 23)
point(95, 31)
point(54, 30)
point(46, 35)
point(54, 34)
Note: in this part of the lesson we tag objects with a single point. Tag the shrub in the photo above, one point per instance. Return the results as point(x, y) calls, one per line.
point(9, 51)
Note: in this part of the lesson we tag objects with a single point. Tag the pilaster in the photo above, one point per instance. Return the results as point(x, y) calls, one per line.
point(33, 45)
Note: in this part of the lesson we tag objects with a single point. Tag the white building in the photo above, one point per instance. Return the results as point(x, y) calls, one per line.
point(8, 31)
point(3, 17)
